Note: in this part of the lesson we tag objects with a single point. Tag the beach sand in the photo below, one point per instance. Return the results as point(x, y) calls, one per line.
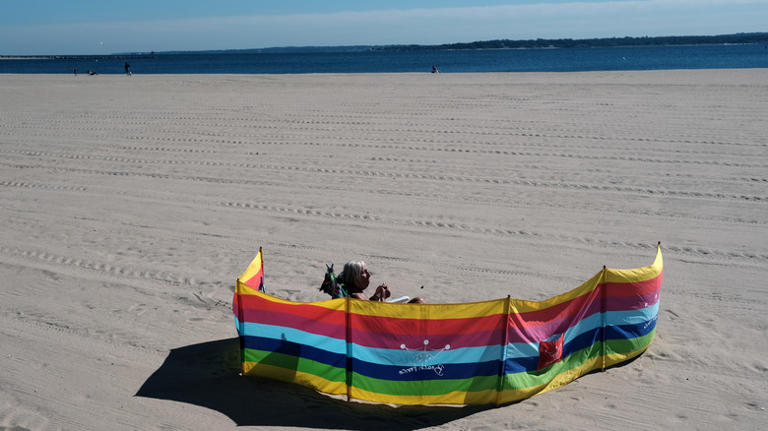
point(130, 204)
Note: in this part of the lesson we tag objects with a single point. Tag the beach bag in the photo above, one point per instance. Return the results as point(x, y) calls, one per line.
point(332, 284)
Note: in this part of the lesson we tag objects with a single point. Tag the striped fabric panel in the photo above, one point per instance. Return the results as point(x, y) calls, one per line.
point(476, 353)
point(520, 356)
point(387, 332)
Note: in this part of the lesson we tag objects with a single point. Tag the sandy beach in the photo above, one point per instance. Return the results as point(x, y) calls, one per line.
point(129, 205)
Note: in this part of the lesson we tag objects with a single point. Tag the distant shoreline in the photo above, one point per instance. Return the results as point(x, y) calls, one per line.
point(449, 60)
point(22, 57)
point(75, 57)
point(608, 42)
point(321, 50)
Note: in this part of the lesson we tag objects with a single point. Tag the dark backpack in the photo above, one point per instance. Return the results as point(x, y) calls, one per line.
point(332, 284)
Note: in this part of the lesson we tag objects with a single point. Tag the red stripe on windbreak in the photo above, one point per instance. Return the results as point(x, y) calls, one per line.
point(362, 322)
point(625, 303)
point(559, 311)
point(313, 312)
point(521, 331)
point(578, 304)
point(255, 281)
point(634, 289)
point(469, 325)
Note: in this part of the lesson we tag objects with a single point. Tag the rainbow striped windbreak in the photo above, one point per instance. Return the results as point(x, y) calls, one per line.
point(490, 352)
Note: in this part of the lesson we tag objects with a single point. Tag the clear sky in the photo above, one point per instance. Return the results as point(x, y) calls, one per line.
point(30, 27)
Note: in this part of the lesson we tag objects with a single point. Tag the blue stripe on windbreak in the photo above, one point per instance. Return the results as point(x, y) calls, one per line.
point(519, 365)
point(406, 357)
point(582, 341)
point(522, 350)
point(333, 345)
point(296, 349)
point(630, 331)
point(421, 371)
point(237, 325)
point(612, 318)
point(632, 317)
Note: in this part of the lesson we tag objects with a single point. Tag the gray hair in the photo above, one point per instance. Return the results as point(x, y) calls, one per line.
point(352, 275)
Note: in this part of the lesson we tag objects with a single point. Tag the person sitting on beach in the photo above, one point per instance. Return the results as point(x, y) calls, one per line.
point(356, 278)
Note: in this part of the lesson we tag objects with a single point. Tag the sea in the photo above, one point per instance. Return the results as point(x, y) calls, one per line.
point(397, 61)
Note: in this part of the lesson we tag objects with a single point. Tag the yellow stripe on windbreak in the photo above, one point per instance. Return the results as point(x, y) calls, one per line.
point(637, 274)
point(253, 268)
point(457, 397)
point(427, 311)
point(331, 304)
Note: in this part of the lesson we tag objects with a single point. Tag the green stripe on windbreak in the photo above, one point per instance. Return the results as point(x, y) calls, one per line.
point(628, 345)
point(526, 379)
point(424, 387)
point(290, 362)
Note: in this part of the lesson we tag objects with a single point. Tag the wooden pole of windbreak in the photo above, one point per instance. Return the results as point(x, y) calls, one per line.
point(348, 362)
point(261, 287)
point(241, 325)
point(603, 315)
point(505, 332)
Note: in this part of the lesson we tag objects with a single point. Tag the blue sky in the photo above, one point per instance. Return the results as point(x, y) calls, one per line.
point(30, 27)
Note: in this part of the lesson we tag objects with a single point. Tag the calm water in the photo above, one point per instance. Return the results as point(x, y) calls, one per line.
point(517, 60)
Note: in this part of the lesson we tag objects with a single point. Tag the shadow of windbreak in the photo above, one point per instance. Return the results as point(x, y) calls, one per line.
point(207, 375)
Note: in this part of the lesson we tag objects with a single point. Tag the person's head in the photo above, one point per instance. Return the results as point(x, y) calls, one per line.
point(356, 274)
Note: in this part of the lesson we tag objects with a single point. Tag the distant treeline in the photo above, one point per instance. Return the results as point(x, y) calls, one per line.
point(278, 50)
point(505, 44)
point(79, 57)
point(738, 38)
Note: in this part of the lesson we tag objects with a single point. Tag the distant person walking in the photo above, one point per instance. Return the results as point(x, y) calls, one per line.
point(128, 69)
point(75, 70)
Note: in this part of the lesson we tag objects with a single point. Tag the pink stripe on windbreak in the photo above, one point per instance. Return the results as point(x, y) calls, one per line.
point(277, 318)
